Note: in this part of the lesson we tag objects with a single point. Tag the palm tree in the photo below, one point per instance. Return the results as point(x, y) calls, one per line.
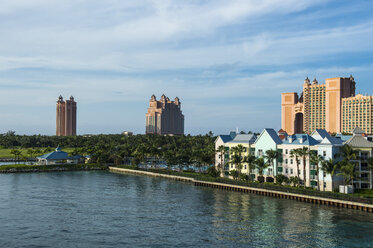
point(370, 166)
point(328, 167)
point(237, 159)
point(221, 150)
point(347, 170)
point(271, 155)
point(316, 159)
point(17, 153)
point(304, 153)
point(295, 154)
point(250, 160)
point(261, 165)
point(346, 166)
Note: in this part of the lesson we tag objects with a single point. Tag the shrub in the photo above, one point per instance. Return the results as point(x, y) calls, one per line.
point(212, 171)
point(261, 179)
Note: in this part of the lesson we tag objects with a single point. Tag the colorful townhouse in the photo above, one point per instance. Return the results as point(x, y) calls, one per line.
point(268, 140)
point(319, 142)
point(363, 149)
point(222, 157)
point(294, 165)
point(247, 141)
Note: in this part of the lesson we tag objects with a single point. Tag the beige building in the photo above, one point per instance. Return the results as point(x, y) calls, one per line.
point(164, 116)
point(332, 106)
point(65, 117)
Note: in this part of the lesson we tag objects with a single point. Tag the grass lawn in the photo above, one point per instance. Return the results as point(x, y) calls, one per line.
point(5, 153)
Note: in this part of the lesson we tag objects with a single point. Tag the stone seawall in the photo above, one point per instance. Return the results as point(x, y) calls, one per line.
point(264, 192)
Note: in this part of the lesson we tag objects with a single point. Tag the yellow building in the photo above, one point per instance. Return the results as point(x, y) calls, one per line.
point(357, 112)
point(332, 106)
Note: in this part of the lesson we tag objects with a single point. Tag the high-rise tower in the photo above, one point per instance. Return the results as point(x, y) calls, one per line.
point(323, 106)
point(164, 116)
point(65, 117)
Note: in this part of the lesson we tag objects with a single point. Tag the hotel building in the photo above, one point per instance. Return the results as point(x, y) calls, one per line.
point(164, 116)
point(65, 117)
point(332, 106)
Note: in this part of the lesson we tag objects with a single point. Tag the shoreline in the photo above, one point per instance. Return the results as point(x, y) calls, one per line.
point(245, 189)
point(20, 168)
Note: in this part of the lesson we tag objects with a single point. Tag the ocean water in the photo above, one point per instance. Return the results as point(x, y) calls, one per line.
point(104, 209)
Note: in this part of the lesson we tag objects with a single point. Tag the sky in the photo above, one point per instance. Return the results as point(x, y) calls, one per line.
point(228, 61)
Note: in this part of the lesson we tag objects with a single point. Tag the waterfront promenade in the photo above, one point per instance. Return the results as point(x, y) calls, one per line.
point(264, 192)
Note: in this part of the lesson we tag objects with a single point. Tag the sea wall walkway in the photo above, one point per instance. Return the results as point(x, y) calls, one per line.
point(272, 193)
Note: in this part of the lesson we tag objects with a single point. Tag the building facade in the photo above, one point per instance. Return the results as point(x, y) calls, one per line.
point(320, 143)
point(66, 117)
point(164, 116)
point(332, 106)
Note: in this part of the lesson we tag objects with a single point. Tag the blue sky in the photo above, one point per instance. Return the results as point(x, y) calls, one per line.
point(227, 61)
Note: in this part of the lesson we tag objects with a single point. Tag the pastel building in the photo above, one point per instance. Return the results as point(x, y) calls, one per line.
point(290, 165)
point(332, 106)
point(65, 117)
point(320, 142)
point(364, 150)
point(221, 158)
point(164, 116)
point(247, 141)
point(268, 140)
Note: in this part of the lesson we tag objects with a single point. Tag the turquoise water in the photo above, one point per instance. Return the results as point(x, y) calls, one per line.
point(103, 209)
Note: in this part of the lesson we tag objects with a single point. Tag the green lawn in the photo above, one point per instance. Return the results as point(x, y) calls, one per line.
point(5, 153)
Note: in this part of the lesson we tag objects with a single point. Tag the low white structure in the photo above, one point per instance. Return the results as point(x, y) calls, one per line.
point(57, 157)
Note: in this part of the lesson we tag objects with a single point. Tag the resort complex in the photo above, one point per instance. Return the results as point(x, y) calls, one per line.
point(332, 106)
point(308, 160)
point(164, 116)
point(66, 117)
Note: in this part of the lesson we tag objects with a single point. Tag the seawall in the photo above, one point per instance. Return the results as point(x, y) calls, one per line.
point(272, 193)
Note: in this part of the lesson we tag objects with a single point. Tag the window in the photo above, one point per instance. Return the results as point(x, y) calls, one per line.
point(286, 161)
point(291, 171)
point(245, 167)
point(324, 185)
point(286, 151)
point(286, 171)
point(291, 161)
point(324, 153)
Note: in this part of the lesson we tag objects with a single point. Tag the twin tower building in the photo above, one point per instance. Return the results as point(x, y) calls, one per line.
point(164, 117)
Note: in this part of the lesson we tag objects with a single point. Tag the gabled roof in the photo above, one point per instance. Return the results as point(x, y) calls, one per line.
point(321, 132)
point(272, 133)
point(358, 130)
point(300, 139)
point(244, 138)
point(331, 141)
point(226, 138)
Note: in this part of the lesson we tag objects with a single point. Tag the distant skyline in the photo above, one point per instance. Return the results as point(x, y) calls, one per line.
point(227, 61)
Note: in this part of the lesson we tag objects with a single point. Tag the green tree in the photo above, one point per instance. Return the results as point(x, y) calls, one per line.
point(370, 166)
point(316, 159)
point(16, 153)
point(328, 167)
point(250, 160)
point(346, 166)
point(295, 153)
point(271, 155)
point(237, 158)
point(261, 165)
point(304, 153)
point(294, 181)
point(221, 150)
